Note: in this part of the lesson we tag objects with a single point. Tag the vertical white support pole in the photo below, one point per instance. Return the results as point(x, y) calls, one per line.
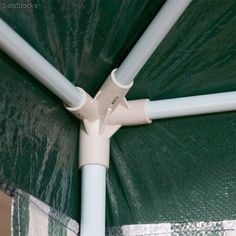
point(94, 161)
point(93, 200)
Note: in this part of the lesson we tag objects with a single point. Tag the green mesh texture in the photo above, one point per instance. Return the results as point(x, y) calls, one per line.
point(174, 170)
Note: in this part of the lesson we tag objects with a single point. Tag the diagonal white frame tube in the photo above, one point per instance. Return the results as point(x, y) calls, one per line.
point(17, 48)
point(189, 106)
point(150, 40)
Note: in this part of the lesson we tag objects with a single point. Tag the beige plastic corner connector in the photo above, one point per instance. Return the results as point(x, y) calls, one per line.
point(103, 116)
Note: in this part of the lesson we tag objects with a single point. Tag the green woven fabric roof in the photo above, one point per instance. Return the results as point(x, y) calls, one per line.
point(172, 170)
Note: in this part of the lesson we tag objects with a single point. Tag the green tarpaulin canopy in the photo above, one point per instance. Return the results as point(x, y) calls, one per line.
point(175, 170)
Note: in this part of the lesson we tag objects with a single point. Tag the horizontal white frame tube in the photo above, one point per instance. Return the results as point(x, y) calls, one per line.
point(194, 105)
point(150, 40)
point(17, 48)
point(93, 200)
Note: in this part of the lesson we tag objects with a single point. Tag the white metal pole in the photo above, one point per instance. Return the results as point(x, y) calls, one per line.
point(194, 105)
point(93, 200)
point(150, 40)
point(93, 160)
point(17, 48)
